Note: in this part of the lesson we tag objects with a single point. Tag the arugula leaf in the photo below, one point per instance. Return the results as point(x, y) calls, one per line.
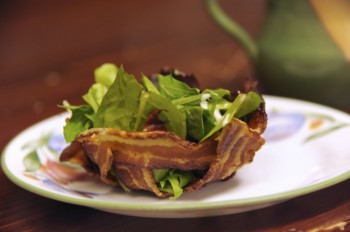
point(209, 122)
point(174, 118)
point(207, 99)
point(79, 121)
point(148, 84)
point(250, 102)
point(217, 94)
point(241, 106)
point(142, 112)
point(173, 88)
point(193, 100)
point(194, 122)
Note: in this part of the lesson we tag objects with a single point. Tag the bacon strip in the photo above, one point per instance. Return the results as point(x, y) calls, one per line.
point(148, 149)
point(133, 155)
point(237, 147)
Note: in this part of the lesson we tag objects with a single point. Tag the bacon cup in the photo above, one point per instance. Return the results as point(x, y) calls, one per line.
point(157, 160)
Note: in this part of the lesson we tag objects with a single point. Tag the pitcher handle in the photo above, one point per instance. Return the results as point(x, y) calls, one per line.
point(232, 28)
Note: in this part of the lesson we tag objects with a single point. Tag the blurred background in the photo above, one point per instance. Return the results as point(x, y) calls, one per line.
point(49, 49)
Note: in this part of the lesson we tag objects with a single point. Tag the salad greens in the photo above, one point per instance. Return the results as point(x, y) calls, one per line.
point(172, 180)
point(118, 100)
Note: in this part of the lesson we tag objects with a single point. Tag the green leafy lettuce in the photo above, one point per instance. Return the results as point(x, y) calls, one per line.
point(172, 180)
point(118, 100)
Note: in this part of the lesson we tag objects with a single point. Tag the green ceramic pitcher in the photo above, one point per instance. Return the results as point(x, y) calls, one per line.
point(303, 50)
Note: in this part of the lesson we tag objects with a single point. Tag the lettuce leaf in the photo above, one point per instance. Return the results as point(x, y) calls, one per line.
point(194, 122)
point(79, 121)
point(172, 180)
point(106, 74)
point(173, 88)
point(173, 117)
point(104, 77)
point(243, 104)
point(120, 104)
point(148, 85)
point(248, 103)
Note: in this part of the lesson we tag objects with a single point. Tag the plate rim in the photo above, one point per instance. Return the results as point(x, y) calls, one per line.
point(190, 206)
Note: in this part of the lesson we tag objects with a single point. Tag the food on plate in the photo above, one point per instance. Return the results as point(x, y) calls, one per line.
point(163, 134)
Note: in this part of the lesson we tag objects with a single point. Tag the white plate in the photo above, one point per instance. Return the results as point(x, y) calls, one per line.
point(307, 149)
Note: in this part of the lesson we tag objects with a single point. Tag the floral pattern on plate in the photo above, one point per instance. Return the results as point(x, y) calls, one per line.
point(282, 125)
point(42, 164)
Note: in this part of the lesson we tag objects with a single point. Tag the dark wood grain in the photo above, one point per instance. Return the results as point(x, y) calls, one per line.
point(48, 50)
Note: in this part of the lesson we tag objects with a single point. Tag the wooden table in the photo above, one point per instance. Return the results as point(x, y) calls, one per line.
point(48, 51)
